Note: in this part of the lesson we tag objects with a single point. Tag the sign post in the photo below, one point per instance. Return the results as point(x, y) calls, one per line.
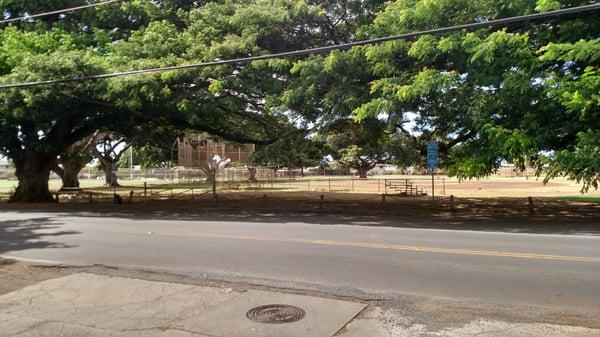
point(432, 163)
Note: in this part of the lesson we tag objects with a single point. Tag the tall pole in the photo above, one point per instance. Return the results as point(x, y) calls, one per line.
point(173, 157)
point(172, 151)
point(432, 162)
point(432, 185)
point(131, 162)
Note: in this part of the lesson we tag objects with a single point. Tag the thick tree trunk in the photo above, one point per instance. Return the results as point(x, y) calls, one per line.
point(71, 177)
point(363, 168)
point(362, 172)
point(110, 176)
point(211, 178)
point(252, 174)
point(69, 173)
point(213, 181)
point(33, 174)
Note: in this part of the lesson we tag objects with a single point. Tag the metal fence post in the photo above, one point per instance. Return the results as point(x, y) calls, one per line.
point(444, 186)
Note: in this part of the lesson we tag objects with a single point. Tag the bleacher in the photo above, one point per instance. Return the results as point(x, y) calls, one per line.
point(404, 187)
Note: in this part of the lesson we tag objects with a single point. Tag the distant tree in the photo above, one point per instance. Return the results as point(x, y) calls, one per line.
point(73, 160)
point(211, 167)
point(363, 145)
point(293, 149)
point(108, 149)
point(147, 156)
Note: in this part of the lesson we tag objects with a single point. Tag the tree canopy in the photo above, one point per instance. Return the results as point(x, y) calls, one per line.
point(526, 93)
point(232, 102)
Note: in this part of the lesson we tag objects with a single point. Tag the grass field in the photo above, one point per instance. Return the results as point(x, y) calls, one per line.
point(492, 187)
point(581, 198)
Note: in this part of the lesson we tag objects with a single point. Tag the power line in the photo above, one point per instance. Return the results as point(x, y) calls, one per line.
point(343, 46)
point(72, 9)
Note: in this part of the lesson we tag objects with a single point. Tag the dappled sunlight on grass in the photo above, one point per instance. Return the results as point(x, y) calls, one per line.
point(581, 198)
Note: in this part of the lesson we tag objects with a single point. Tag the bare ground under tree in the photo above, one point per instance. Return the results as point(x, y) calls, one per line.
point(495, 214)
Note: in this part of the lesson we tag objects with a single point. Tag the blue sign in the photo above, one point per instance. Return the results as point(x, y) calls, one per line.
point(432, 154)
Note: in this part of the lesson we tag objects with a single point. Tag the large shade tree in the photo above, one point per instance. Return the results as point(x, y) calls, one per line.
point(233, 102)
point(525, 93)
point(38, 124)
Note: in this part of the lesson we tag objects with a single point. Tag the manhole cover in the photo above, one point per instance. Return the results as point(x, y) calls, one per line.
point(276, 314)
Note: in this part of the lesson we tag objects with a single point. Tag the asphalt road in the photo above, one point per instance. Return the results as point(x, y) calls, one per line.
point(561, 272)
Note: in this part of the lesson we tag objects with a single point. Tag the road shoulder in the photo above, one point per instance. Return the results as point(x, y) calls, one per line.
point(159, 304)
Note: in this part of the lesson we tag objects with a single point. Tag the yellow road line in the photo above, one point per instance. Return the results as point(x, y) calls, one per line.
point(418, 249)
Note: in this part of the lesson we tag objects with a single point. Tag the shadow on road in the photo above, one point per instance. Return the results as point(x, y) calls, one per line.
point(537, 225)
point(33, 233)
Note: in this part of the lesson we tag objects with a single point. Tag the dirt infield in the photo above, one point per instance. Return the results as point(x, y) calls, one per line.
point(500, 185)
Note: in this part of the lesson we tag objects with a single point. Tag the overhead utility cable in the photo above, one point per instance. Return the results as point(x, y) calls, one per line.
point(343, 46)
point(60, 11)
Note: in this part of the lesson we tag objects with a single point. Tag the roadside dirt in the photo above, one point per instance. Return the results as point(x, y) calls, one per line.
point(15, 275)
point(547, 215)
point(337, 203)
